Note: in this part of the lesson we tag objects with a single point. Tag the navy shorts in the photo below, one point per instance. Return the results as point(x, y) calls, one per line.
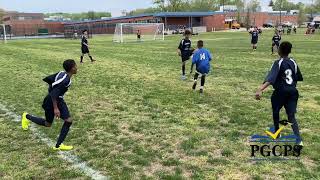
point(275, 44)
point(85, 50)
point(254, 41)
point(287, 99)
point(185, 55)
point(49, 112)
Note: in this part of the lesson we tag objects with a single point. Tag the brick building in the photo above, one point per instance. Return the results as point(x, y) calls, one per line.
point(27, 24)
point(34, 24)
point(174, 20)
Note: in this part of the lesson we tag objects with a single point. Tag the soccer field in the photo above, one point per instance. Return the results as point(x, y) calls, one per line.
point(135, 119)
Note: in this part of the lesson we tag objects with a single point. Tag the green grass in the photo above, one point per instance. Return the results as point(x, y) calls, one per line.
point(135, 119)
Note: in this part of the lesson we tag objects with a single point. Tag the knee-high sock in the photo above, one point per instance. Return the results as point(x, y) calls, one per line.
point(196, 75)
point(183, 69)
point(295, 126)
point(81, 59)
point(64, 132)
point(276, 119)
point(91, 58)
point(203, 80)
point(37, 120)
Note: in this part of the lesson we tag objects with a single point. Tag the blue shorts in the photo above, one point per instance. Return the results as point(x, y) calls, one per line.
point(49, 111)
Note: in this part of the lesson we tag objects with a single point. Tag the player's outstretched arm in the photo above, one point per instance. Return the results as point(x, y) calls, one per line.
point(261, 89)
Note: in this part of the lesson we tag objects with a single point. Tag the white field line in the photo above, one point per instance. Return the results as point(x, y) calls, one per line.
point(67, 156)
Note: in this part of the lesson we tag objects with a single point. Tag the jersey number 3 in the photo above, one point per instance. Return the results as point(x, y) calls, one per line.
point(289, 79)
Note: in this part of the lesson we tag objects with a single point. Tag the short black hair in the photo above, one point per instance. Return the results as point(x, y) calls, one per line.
point(68, 64)
point(84, 31)
point(285, 48)
point(200, 44)
point(187, 32)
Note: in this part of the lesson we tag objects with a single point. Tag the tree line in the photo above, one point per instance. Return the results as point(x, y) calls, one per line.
point(91, 15)
point(213, 5)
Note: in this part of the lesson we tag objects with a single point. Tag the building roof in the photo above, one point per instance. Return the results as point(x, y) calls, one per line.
point(185, 14)
point(161, 14)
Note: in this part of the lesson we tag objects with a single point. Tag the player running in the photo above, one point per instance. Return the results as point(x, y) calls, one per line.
point(254, 38)
point(201, 58)
point(284, 75)
point(85, 46)
point(275, 41)
point(185, 51)
point(54, 104)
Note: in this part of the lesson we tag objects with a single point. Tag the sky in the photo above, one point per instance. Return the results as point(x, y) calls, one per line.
point(113, 6)
point(45, 6)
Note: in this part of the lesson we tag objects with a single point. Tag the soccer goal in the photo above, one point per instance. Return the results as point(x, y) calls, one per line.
point(130, 32)
point(3, 34)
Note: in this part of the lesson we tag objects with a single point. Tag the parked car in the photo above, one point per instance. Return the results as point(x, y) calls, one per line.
point(287, 24)
point(268, 25)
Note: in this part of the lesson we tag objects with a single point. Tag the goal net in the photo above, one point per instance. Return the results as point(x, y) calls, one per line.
point(3, 33)
point(129, 32)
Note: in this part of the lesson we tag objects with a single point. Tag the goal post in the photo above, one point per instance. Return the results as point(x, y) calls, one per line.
point(3, 32)
point(128, 32)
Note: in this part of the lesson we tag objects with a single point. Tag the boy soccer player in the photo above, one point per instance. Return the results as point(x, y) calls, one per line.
point(201, 58)
point(275, 41)
point(254, 38)
point(54, 105)
point(85, 46)
point(284, 75)
point(139, 35)
point(185, 51)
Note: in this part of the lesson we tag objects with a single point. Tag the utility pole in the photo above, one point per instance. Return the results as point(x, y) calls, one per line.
point(222, 5)
point(280, 11)
point(312, 10)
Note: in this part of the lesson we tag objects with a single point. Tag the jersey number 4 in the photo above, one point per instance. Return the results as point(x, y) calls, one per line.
point(289, 79)
point(202, 56)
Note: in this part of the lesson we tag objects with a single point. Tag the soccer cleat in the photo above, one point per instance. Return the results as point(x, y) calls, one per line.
point(183, 77)
point(93, 60)
point(300, 144)
point(298, 147)
point(25, 122)
point(63, 147)
point(201, 91)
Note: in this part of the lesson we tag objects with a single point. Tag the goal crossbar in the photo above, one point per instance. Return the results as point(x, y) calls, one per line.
point(149, 31)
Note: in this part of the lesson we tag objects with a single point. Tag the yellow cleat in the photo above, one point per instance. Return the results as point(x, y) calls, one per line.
point(63, 147)
point(25, 122)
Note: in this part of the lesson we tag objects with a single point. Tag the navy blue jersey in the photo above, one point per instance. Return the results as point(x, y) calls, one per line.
point(202, 58)
point(84, 41)
point(284, 74)
point(185, 46)
point(254, 34)
point(276, 39)
point(59, 84)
